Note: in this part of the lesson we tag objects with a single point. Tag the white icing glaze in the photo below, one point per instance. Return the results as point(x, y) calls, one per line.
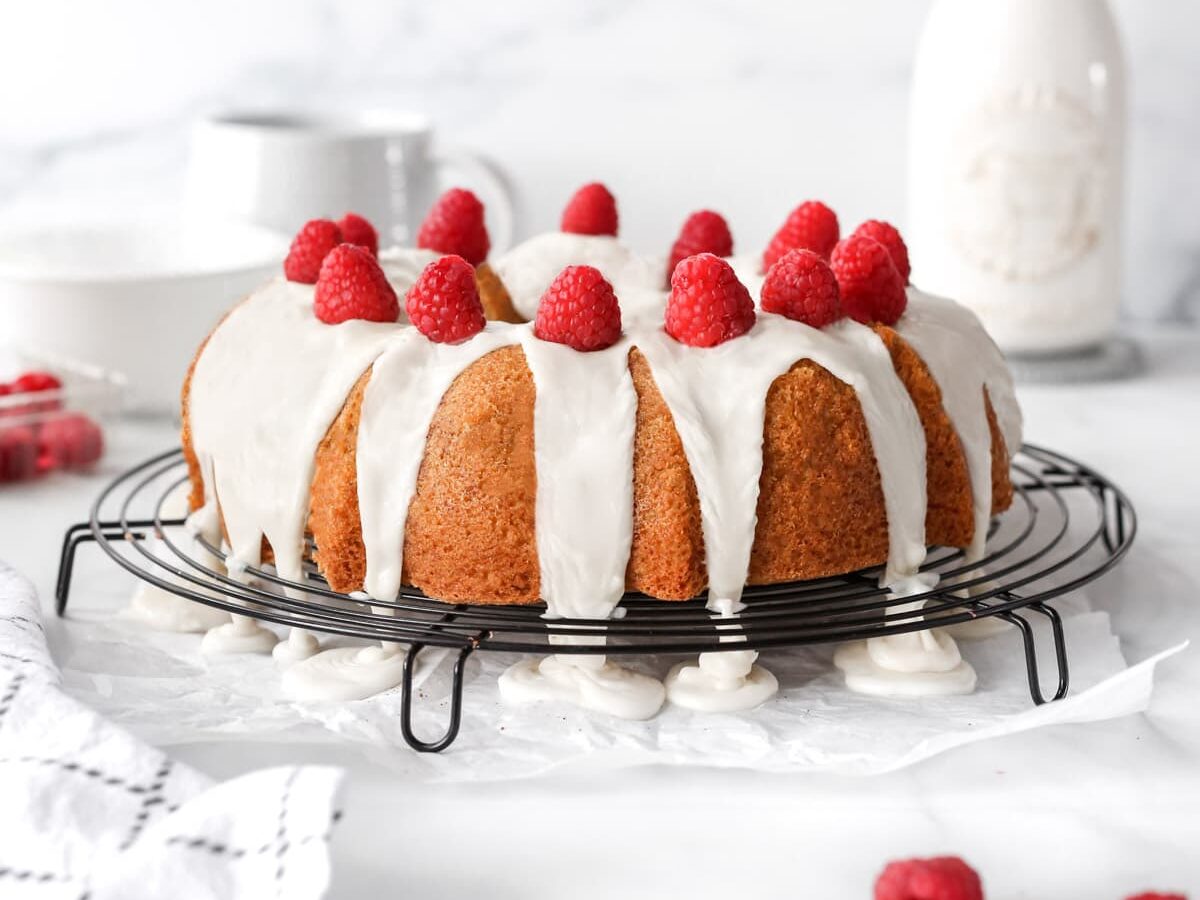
point(298, 645)
point(717, 397)
point(160, 609)
point(722, 681)
point(242, 635)
point(406, 385)
point(344, 673)
point(748, 269)
point(698, 687)
point(528, 268)
point(257, 416)
point(918, 663)
point(931, 650)
point(590, 682)
point(866, 676)
point(584, 421)
point(964, 361)
point(402, 266)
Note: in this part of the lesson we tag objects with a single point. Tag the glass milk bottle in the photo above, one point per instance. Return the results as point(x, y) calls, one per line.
point(1016, 145)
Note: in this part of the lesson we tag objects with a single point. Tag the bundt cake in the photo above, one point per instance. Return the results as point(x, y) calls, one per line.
point(505, 468)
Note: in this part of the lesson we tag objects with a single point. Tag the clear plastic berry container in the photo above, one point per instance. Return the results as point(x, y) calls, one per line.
point(53, 414)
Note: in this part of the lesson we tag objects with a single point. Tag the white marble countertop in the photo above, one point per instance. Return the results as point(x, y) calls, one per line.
point(1085, 811)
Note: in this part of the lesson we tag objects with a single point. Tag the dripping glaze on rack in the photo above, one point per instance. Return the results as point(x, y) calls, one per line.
point(1068, 526)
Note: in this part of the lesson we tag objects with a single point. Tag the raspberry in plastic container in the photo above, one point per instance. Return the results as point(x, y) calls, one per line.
point(18, 453)
point(50, 416)
point(71, 441)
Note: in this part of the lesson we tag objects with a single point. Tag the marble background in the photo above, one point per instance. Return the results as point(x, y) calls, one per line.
point(745, 107)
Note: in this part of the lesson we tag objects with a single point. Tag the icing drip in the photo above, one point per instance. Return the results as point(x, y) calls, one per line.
point(721, 682)
point(590, 682)
point(916, 664)
point(406, 386)
point(262, 414)
point(242, 635)
point(965, 362)
point(717, 397)
point(344, 673)
point(160, 609)
point(584, 422)
point(725, 681)
point(528, 268)
point(298, 645)
point(932, 669)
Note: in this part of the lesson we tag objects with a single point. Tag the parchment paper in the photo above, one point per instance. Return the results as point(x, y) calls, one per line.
point(162, 688)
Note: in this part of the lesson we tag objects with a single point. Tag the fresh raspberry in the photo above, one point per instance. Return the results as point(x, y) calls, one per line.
point(18, 453)
point(35, 383)
point(309, 249)
point(940, 878)
point(579, 309)
point(352, 286)
point(1155, 895)
point(811, 226)
point(443, 302)
point(801, 286)
point(708, 305)
point(357, 230)
point(887, 235)
point(455, 225)
point(591, 210)
point(703, 232)
point(872, 290)
point(69, 442)
point(31, 382)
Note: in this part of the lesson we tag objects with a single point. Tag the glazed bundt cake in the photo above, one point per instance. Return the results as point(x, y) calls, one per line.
point(595, 450)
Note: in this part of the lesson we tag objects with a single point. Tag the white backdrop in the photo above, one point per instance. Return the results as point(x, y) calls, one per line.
point(746, 107)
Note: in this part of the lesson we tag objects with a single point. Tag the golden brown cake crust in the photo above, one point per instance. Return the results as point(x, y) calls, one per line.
point(333, 516)
point(667, 557)
point(470, 532)
point(497, 303)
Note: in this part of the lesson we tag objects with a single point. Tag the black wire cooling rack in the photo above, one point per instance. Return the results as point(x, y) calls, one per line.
point(1067, 526)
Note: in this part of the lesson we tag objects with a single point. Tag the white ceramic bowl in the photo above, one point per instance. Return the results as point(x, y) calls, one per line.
point(135, 299)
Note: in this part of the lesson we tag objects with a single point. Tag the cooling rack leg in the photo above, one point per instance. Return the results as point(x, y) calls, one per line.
point(80, 533)
point(1060, 647)
point(1031, 664)
point(406, 698)
point(76, 535)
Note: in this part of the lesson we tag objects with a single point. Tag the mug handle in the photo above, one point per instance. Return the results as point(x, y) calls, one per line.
point(496, 184)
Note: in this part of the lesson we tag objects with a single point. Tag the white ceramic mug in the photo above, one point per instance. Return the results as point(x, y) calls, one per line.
point(279, 170)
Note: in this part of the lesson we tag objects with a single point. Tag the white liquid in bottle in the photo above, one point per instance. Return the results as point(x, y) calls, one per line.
point(1017, 133)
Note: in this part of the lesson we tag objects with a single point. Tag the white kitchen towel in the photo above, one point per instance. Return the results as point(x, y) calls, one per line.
point(88, 812)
